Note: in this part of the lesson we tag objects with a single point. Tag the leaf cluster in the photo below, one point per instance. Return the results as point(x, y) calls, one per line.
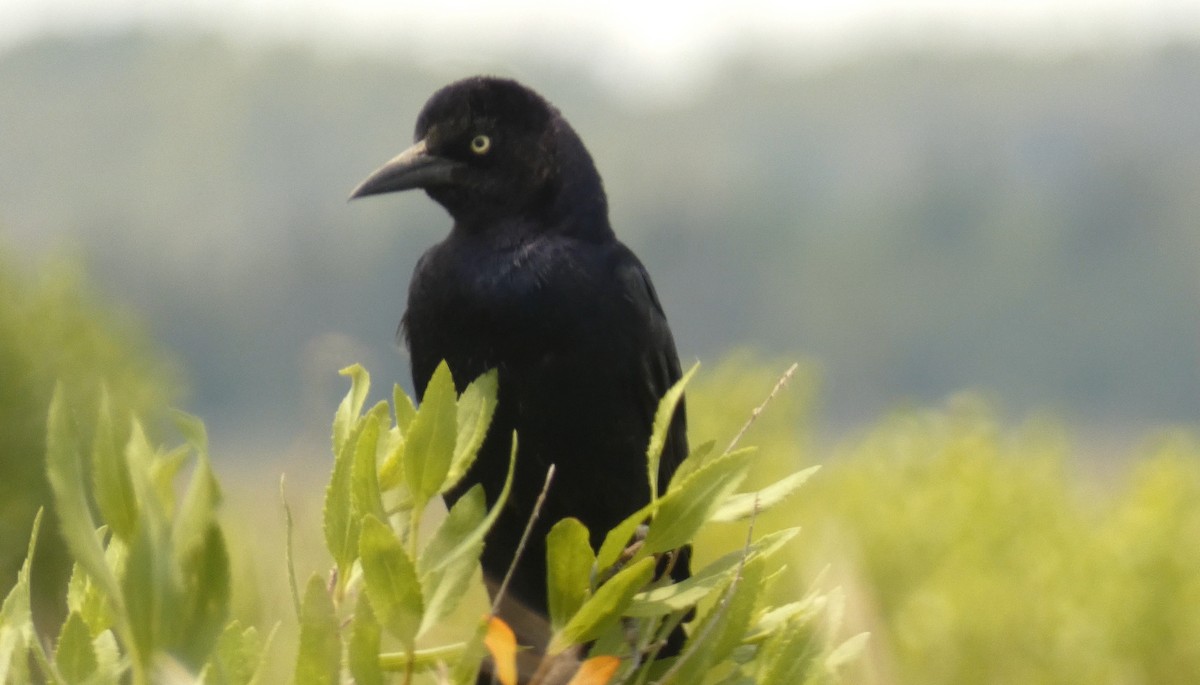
point(388, 581)
point(149, 593)
point(610, 612)
point(149, 597)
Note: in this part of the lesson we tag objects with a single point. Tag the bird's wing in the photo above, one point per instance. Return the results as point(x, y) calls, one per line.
point(660, 370)
point(659, 361)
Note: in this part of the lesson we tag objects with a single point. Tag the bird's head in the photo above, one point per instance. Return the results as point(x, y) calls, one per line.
point(489, 150)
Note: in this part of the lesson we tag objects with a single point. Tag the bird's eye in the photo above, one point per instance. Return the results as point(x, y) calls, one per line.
point(480, 144)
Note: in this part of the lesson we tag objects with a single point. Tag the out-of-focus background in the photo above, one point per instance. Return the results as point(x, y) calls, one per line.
point(917, 199)
point(982, 195)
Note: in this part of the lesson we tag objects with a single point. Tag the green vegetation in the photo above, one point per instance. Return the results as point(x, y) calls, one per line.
point(52, 329)
point(982, 555)
point(972, 551)
point(150, 594)
point(976, 552)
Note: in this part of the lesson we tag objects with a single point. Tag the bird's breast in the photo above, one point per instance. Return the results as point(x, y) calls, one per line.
point(505, 307)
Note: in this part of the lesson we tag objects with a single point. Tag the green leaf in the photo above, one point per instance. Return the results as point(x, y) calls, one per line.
point(364, 475)
point(429, 443)
point(114, 493)
point(17, 633)
point(450, 558)
point(16, 611)
point(791, 615)
point(64, 470)
point(683, 510)
point(662, 425)
point(444, 588)
point(604, 607)
point(198, 510)
point(236, 657)
point(847, 651)
point(620, 536)
point(455, 540)
point(192, 429)
point(164, 469)
point(743, 506)
point(502, 499)
point(74, 656)
point(391, 581)
point(207, 589)
point(319, 659)
point(457, 533)
point(698, 457)
point(144, 577)
point(786, 658)
point(391, 472)
point(14, 655)
point(153, 474)
point(466, 666)
point(714, 576)
point(201, 576)
point(341, 526)
point(722, 628)
point(569, 563)
point(263, 662)
point(111, 664)
point(346, 416)
point(474, 414)
point(405, 410)
point(86, 598)
point(362, 654)
point(740, 610)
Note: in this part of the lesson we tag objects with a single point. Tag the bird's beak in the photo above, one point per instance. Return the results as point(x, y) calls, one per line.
point(413, 168)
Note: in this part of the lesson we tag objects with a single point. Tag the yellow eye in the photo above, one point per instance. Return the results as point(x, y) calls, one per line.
point(480, 144)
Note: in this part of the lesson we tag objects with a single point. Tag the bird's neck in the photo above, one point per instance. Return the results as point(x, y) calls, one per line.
point(577, 209)
point(579, 205)
point(581, 211)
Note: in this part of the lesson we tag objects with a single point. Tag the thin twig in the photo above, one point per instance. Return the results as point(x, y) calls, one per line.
point(787, 376)
point(289, 559)
point(537, 508)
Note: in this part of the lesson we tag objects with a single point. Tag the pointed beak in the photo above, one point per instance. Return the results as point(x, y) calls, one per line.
point(413, 168)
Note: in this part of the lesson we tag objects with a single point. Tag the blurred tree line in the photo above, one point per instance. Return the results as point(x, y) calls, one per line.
point(917, 222)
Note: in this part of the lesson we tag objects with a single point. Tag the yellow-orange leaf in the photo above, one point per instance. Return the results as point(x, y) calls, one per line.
point(502, 643)
point(596, 671)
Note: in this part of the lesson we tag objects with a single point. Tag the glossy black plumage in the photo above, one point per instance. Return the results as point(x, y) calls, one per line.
point(533, 282)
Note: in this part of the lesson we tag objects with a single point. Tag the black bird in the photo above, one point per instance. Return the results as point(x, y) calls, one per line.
point(533, 282)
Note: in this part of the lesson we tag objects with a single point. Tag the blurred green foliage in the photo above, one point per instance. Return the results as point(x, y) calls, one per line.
point(977, 552)
point(150, 589)
point(53, 328)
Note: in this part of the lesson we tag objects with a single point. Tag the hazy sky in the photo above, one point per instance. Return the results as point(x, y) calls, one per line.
point(631, 39)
